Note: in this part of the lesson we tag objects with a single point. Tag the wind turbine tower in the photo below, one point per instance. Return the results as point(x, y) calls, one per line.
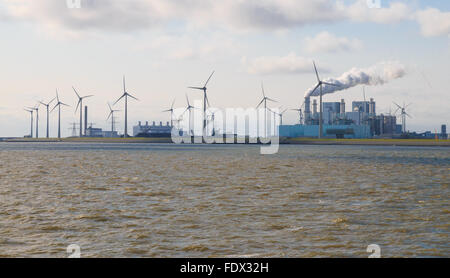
point(188, 109)
point(111, 115)
point(36, 108)
point(171, 113)
point(58, 104)
point(264, 100)
point(319, 85)
point(125, 95)
point(31, 113)
point(403, 114)
point(205, 100)
point(47, 105)
point(80, 104)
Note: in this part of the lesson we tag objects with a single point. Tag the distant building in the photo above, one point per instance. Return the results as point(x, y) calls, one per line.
point(331, 112)
point(152, 130)
point(361, 106)
point(94, 132)
point(330, 131)
point(444, 134)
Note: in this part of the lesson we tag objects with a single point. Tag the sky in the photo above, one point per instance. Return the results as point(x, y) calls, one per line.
point(164, 46)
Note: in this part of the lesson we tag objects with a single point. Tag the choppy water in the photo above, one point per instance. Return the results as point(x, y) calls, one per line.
point(138, 200)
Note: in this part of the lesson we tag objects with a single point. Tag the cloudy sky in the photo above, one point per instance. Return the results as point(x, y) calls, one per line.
point(163, 46)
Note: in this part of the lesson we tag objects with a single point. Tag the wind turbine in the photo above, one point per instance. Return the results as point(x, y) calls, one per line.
point(213, 117)
point(80, 103)
point(171, 113)
point(111, 115)
point(125, 95)
point(265, 99)
point(58, 104)
point(188, 109)
point(36, 108)
point(31, 113)
point(47, 105)
point(319, 85)
point(403, 114)
point(205, 100)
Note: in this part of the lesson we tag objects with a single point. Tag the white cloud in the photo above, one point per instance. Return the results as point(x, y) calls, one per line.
point(360, 12)
point(236, 15)
point(326, 42)
point(290, 64)
point(434, 22)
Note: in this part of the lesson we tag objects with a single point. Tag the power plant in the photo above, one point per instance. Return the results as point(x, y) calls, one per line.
point(316, 118)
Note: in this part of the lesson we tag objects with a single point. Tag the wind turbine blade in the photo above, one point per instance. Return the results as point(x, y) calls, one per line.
point(260, 103)
point(110, 108)
point(88, 96)
point(57, 97)
point(78, 104)
point(54, 107)
point(119, 99)
point(132, 96)
point(64, 104)
point(173, 103)
point(124, 89)
point(317, 74)
point(398, 106)
point(207, 101)
point(76, 92)
point(318, 85)
point(196, 88)
point(109, 115)
point(271, 99)
point(262, 88)
point(187, 99)
point(209, 78)
point(408, 115)
point(51, 101)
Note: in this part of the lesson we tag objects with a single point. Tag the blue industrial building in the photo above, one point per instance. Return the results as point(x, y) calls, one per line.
point(329, 131)
point(361, 122)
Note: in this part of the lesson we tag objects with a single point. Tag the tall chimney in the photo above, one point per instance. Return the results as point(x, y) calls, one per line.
point(307, 110)
point(372, 107)
point(85, 119)
point(314, 108)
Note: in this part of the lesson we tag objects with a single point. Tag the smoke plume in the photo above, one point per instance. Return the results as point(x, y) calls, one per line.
point(378, 74)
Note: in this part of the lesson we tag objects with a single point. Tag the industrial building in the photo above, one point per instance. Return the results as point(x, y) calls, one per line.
point(361, 122)
point(152, 130)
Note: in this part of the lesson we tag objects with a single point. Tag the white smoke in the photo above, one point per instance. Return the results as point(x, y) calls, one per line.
point(378, 74)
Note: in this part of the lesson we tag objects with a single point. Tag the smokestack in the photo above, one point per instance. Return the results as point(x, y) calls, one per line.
point(342, 108)
point(307, 109)
point(378, 74)
point(314, 108)
point(372, 107)
point(85, 119)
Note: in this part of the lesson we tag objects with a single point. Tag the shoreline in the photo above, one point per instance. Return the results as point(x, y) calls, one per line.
point(283, 141)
